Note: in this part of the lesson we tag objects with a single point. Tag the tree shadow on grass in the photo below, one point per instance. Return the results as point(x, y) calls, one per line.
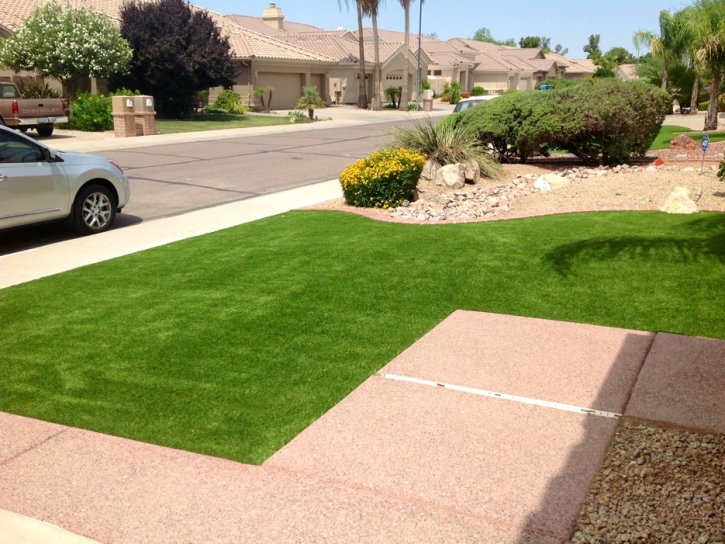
point(703, 238)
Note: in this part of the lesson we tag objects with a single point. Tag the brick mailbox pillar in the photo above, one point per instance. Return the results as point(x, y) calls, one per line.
point(145, 115)
point(124, 117)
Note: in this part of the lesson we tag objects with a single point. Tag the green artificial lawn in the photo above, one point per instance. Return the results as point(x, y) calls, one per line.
point(202, 122)
point(230, 344)
point(668, 132)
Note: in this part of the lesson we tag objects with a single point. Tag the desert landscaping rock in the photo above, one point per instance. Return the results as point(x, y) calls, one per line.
point(683, 141)
point(473, 172)
point(588, 188)
point(542, 185)
point(430, 171)
point(452, 176)
point(657, 485)
point(679, 202)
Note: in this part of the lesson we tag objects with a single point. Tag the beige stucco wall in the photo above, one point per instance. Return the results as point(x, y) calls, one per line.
point(491, 81)
point(287, 78)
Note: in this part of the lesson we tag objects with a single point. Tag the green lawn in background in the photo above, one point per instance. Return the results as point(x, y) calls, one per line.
point(668, 132)
point(230, 344)
point(202, 122)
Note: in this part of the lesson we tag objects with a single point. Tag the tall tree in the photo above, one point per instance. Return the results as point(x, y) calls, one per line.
point(530, 42)
point(668, 45)
point(484, 35)
point(371, 9)
point(706, 26)
point(67, 44)
point(560, 50)
point(592, 47)
point(362, 95)
point(177, 52)
point(403, 105)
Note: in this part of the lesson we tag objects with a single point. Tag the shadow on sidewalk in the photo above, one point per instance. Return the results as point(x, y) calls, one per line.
point(562, 489)
point(43, 234)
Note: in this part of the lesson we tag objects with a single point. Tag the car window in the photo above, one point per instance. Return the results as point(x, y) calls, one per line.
point(14, 149)
point(8, 91)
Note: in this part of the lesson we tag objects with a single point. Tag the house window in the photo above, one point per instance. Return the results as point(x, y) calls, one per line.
point(437, 72)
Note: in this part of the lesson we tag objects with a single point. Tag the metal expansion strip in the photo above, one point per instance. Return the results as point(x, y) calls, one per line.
point(504, 396)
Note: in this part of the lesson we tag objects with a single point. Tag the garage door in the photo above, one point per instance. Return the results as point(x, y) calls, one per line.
point(287, 88)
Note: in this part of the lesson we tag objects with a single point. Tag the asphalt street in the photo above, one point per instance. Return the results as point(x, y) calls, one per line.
point(169, 180)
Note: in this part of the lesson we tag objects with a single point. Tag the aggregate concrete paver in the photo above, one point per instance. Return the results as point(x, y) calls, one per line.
point(19, 434)
point(570, 363)
point(526, 466)
point(682, 383)
point(120, 491)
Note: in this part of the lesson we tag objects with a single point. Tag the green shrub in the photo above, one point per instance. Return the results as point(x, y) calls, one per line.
point(514, 125)
point(445, 143)
point(38, 91)
point(382, 180)
point(559, 83)
point(610, 120)
point(230, 102)
point(702, 106)
point(393, 95)
point(297, 116)
point(91, 113)
point(452, 91)
point(600, 122)
point(721, 103)
point(478, 91)
point(721, 172)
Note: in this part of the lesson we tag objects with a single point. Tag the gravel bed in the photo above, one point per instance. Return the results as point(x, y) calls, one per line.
point(657, 485)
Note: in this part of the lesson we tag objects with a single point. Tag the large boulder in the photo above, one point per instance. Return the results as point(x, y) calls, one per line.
point(679, 201)
point(542, 185)
point(452, 176)
point(430, 170)
point(683, 142)
point(473, 172)
point(556, 181)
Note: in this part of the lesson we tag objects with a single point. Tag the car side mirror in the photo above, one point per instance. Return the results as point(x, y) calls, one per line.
point(51, 155)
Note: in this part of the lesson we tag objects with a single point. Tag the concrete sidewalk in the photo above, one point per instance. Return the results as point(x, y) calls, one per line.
point(473, 434)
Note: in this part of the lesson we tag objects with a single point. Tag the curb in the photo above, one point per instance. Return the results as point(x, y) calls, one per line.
point(370, 214)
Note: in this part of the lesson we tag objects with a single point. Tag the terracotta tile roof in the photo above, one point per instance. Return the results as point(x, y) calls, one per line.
point(257, 24)
point(244, 43)
point(249, 44)
point(574, 66)
point(448, 59)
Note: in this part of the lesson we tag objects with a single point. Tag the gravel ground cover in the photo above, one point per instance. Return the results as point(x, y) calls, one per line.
point(588, 187)
point(657, 485)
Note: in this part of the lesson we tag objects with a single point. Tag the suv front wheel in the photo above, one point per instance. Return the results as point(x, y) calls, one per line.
point(94, 210)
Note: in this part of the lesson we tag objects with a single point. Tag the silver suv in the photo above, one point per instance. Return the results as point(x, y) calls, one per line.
point(40, 184)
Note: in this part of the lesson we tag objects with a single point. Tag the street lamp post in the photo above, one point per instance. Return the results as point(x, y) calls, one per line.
point(420, 29)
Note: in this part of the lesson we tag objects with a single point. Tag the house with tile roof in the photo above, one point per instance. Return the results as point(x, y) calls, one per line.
point(286, 56)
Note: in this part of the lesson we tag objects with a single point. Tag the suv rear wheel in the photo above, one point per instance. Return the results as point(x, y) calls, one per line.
point(94, 210)
point(45, 131)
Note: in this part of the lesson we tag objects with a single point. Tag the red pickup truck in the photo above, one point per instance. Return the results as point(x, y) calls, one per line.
point(24, 113)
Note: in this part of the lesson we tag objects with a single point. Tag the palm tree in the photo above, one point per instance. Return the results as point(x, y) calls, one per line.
point(706, 25)
point(310, 100)
point(371, 9)
point(362, 97)
point(667, 46)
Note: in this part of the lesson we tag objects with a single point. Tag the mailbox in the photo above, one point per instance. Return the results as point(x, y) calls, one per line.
point(145, 115)
point(124, 116)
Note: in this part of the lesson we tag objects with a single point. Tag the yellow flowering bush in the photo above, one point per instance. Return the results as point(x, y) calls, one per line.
point(382, 180)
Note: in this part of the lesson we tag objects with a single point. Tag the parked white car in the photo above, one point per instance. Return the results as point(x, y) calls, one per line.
point(40, 184)
point(466, 103)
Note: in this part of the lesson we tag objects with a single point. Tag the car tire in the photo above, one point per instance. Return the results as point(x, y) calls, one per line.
point(23, 129)
point(94, 210)
point(44, 131)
